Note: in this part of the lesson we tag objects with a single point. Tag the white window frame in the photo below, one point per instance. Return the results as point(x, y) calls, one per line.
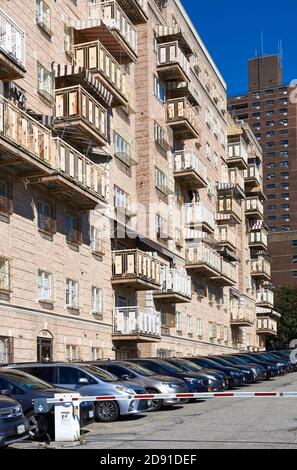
point(72, 294)
point(45, 286)
point(97, 301)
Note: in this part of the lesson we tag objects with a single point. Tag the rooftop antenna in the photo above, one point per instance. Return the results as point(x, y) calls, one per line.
point(262, 43)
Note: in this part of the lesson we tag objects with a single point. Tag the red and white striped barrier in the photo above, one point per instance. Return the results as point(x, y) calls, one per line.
point(160, 396)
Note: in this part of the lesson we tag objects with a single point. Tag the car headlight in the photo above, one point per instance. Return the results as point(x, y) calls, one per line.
point(129, 391)
point(172, 385)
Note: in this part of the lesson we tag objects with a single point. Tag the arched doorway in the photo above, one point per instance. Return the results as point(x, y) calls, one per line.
point(45, 344)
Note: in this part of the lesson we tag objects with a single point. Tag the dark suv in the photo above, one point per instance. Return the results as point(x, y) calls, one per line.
point(13, 424)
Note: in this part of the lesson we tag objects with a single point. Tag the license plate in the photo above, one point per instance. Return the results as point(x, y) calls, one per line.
point(91, 414)
point(21, 429)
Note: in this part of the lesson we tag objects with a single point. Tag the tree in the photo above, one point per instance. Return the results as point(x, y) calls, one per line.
point(286, 305)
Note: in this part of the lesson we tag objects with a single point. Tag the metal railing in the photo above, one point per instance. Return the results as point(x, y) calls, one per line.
point(265, 296)
point(261, 266)
point(12, 39)
point(236, 177)
point(229, 270)
point(136, 263)
point(179, 109)
point(175, 281)
point(225, 234)
point(114, 17)
point(253, 172)
point(22, 130)
point(201, 254)
point(170, 53)
point(95, 57)
point(197, 214)
point(134, 321)
point(228, 205)
point(186, 160)
point(79, 168)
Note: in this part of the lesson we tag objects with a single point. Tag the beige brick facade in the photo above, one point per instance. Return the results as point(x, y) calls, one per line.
point(182, 271)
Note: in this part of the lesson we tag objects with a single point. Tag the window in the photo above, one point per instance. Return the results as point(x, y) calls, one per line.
point(283, 122)
point(45, 293)
point(5, 198)
point(269, 102)
point(270, 154)
point(199, 328)
point(285, 228)
point(97, 243)
point(269, 113)
point(43, 16)
point(122, 149)
point(270, 176)
point(161, 227)
point(44, 82)
point(178, 321)
point(269, 92)
point(284, 174)
point(256, 125)
point(97, 301)
point(285, 217)
point(271, 208)
point(294, 243)
point(225, 334)
point(271, 218)
point(72, 294)
point(256, 115)
point(270, 134)
point(269, 123)
point(256, 105)
point(161, 181)
point(161, 137)
point(96, 354)
point(73, 229)
point(284, 153)
point(270, 165)
point(294, 260)
point(46, 217)
point(284, 143)
point(68, 40)
point(285, 185)
point(190, 325)
point(121, 198)
point(285, 206)
point(283, 111)
point(270, 144)
point(271, 197)
point(4, 274)
point(159, 90)
point(270, 186)
point(283, 90)
point(285, 196)
point(6, 350)
point(284, 132)
point(272, 228)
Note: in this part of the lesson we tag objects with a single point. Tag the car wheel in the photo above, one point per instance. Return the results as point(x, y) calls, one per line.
point(39, 426)
point(157, 405)
point(107, 411)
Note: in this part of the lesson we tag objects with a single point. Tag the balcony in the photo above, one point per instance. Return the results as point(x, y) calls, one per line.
point(94, 57)
point(24, 142)
point(75, 177)
point(261, 269)
point(226, 237)
point(229, 207)
point(176, 287)
point(254, 208)
point(80, 118)
point(237, 152)
point(182, 117)
point(167, 34)
point(258, 239)
point(236, 179)
point(203, 259)
point(137, 10)
point(12, 49)
point(189, 170)
point(135, 324)
point(253, 179)
point(120, 37)
point(136, 269)
point(228, 274)
point(241, 318)
point(197, 215)
point(266, 326)
point(172, 63)
point(265, 298)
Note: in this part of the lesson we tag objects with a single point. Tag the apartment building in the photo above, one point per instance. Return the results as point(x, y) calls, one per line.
point(131, 203)
point(270, 109)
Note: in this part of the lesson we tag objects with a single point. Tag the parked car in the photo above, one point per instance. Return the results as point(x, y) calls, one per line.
point(290, 355)
point(266, 368)
point(283, 359)
point(235, 376)
point(93, 381)
point(194, 381)
point(25, 388)
point(152, 382)
point(218, 381)
point(253, 373)
point(13, 424)
point(274, 370)
point(281, 365)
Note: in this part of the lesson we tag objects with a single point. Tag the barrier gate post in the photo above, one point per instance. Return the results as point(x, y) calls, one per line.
point(67, 418)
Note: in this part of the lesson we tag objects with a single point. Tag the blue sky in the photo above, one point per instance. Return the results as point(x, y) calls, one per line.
point(231, 30)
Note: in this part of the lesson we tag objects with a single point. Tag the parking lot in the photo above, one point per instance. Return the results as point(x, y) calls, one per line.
point(216, 423)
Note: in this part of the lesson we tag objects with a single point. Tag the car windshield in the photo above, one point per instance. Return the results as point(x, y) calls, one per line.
point(237, 360)
point(100, 373)
point(208, 362)
point(25, 381)
point(221, 361)
point(188, 365)
point(138, 369)
point(169, 367)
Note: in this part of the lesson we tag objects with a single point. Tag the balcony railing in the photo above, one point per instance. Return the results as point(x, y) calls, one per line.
point(133, 321)
point(189, 169)
point(229, 271)
point(265, 297)
point(174, 284)
point(238, 152)
point(254, 207)
point(78, 168)
point(172, 62)
point(112, 15)
point(137, 10)
point(80, 117)
point(26, 134)
point(201, 256)
point(183, 118)
point(12, 49)
point(261, 268)
point(137, 269)
point(225, 235)
point(252, 175)
point(229, 206)
point(236, 178)
point(258, 238)
point(94, 56)
point(198, 215)
point(266, 326)
point(242, 317)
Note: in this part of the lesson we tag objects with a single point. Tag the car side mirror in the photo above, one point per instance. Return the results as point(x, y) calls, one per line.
point(83, 381)
point(7, 393)
point(125, 377)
